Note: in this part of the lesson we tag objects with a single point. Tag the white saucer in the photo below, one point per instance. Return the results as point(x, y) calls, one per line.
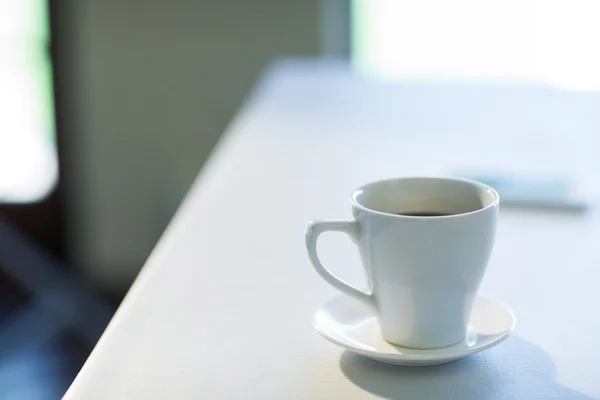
point(352, 325)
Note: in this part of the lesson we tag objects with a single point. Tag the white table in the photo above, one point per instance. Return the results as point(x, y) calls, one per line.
point(223, 308)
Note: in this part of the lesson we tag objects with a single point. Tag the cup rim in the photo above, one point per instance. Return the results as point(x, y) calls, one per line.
point(479, 185)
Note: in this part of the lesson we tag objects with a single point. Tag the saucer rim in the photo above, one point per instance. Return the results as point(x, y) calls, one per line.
point(421, 357)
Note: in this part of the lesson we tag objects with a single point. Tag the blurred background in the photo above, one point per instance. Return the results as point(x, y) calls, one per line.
point(111, 107)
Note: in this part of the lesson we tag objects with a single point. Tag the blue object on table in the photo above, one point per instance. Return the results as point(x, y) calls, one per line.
point(556, 194)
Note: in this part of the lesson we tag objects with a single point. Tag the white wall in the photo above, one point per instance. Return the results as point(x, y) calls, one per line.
point(156, 83)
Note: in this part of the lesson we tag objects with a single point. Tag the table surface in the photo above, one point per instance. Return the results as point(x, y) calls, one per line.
point(223, 307)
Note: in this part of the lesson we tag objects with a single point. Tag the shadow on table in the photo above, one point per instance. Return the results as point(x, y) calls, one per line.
point(515, 369)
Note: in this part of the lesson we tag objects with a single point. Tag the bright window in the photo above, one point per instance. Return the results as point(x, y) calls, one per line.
point(28, 158)
point(553, 41)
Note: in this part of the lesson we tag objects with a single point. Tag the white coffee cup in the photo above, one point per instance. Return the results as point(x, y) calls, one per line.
point(424, 271)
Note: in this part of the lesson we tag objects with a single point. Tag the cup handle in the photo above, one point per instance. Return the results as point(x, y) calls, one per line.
point(313, 231)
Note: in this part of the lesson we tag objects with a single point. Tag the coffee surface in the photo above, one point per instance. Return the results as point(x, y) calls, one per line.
point(423, 214)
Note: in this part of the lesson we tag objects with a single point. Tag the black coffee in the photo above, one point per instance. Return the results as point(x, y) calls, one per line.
point(424, 214)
